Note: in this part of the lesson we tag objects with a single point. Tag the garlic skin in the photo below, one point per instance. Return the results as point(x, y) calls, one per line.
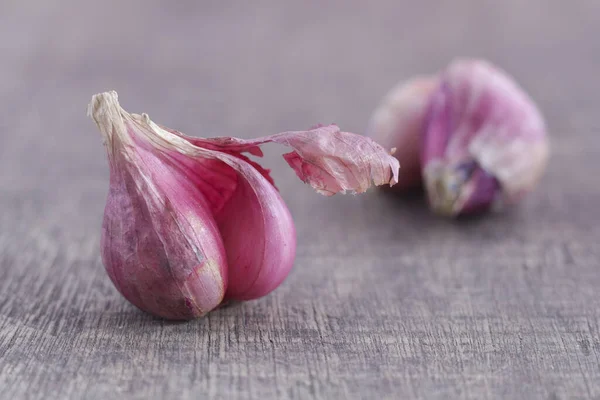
point(191, 222)
point(397, 123)
point(484, 143)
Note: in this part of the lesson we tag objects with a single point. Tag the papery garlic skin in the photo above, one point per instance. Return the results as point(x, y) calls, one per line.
point(190, 222)
point(484, 142)
point(398, 122)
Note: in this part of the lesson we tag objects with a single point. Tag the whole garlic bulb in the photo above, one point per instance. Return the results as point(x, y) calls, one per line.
point(482, 141)
point(191, 222)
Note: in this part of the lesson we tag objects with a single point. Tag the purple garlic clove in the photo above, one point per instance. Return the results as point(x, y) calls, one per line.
point(483, 142)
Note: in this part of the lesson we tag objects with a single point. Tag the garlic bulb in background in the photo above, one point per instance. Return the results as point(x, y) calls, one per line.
point(190, 222)
point(482, 141)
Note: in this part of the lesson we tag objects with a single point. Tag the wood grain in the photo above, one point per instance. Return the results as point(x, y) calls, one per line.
point(385, 300)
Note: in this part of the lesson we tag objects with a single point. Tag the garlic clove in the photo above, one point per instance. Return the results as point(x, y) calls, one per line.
point(160, 244)
point(258, 233)
point(484, 141)
point(398, 122)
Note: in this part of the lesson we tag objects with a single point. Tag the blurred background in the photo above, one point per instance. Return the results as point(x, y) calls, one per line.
point(253, 68)
point(246, 69)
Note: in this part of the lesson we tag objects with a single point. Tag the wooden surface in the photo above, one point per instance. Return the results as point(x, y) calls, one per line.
point(385, 300)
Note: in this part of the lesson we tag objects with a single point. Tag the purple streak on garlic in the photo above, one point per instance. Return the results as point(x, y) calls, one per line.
point(190, 222)
point(478, 117)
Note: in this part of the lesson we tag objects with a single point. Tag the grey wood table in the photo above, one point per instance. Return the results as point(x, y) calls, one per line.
point(385, 300)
